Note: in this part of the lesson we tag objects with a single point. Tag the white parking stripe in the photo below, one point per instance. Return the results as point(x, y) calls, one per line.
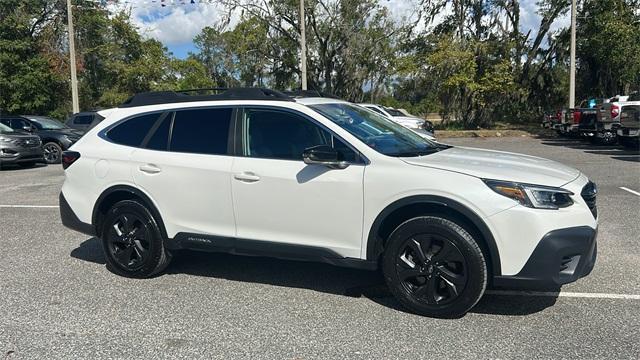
point(563, 294)
point(629, 190)
point(30, 206)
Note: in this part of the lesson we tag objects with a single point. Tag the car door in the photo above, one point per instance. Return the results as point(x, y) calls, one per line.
point(185, 167)
point(278, 198)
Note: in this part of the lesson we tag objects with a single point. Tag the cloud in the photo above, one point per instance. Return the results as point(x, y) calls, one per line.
point(530, 20)
point(177, 24)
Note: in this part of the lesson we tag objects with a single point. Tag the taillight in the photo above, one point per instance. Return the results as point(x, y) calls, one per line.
point(615, 111)
point(576, 117)
point(69, 157)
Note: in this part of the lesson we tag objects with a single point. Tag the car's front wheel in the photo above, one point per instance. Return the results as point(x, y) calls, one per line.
point(52, 153)
point(434, 267)
point(132, 241)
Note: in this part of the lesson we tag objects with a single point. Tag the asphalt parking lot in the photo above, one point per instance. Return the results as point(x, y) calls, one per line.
point(58, 300)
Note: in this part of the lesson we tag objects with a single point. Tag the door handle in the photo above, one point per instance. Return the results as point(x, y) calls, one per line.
point(247, 177)
point(149, 169)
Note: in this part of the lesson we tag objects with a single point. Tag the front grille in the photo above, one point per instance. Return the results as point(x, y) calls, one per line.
point(589, 193)
point(27, 142)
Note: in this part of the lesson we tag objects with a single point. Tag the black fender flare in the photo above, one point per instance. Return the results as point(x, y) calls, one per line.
point(137, 193)
point(374, 243)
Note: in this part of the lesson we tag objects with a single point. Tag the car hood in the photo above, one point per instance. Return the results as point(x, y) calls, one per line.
point(498, 165)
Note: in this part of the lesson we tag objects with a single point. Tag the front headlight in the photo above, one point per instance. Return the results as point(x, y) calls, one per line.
point(534, 196)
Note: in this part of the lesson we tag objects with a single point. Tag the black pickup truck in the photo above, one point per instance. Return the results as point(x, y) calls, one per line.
point(590, 125)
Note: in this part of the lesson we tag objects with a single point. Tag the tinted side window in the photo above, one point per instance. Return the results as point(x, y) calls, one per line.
point(281, 135)
point(201, 131)
point(6, 122)
point(160, 138)
point(83, 120)
point(131, 132)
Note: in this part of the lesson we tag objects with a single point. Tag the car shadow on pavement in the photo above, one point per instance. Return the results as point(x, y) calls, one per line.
point(14, 167)
point(309, 275)
point(616, 152)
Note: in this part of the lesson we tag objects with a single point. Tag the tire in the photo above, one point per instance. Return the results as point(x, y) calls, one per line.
point(132, 241)
point(447, 279)
point(52, 153)
point(609, 138)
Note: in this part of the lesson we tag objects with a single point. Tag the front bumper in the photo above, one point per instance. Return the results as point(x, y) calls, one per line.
point(627, 132)
point(561, 257)
point(16, 155)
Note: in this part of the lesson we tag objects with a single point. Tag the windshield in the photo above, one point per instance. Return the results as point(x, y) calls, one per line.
point(5, 129)
point(47, 124)
point(394, 112)
point(378, 132)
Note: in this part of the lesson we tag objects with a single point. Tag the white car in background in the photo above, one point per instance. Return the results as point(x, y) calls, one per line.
point(410, 122)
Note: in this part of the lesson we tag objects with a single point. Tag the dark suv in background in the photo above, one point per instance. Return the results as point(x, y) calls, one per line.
point(84, 121)
point(55, 136)
point(19, 147)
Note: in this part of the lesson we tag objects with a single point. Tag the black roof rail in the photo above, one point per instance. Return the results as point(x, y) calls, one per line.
point(168, 97)
point(309, 93)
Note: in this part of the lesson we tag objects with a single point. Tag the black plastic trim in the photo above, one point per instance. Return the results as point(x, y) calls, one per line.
point(236, 246)
point(375, 243)
point(543, 269)
point(125, 188)
point(170, 97)
point(70, 219)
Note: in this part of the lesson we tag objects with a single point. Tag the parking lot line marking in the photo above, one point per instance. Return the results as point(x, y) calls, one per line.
point(30, 206)
point(563, 294)
point(629, 190)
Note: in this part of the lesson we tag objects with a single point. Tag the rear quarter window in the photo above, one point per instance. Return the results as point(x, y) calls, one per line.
point(132, 131)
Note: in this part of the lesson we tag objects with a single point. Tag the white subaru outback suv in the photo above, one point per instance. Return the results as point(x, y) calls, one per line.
point(257, 172)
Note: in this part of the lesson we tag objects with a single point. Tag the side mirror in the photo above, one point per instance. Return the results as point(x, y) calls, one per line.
point(324, 155)
point(28, 128)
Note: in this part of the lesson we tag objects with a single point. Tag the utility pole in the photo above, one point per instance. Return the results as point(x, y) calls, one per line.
point(303, 48)
point(72, 61)
point(572, 70)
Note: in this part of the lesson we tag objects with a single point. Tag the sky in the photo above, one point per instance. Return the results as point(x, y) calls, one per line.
point(177, 23)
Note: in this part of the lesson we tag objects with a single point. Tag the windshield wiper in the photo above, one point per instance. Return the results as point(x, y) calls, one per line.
point(414, 153)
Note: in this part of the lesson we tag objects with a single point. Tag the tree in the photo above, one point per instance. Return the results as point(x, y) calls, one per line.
point(609, 47)
point(28, 83)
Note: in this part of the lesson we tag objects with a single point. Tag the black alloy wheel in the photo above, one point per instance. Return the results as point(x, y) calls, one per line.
point(52, 153)
point(432, 268)
point(128, 241)
point(132, 241)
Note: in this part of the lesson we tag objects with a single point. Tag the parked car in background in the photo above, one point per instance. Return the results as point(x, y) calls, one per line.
point(550, 120)
point(56, 137)
point(84, 121)
point(587, 111)
point(604, 128)
point(398, 116)
point(629, 130)
point(19, 147)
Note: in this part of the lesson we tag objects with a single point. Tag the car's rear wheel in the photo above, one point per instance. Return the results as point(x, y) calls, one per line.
point(52, 153)
point(132, 241)
point(434, 267)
